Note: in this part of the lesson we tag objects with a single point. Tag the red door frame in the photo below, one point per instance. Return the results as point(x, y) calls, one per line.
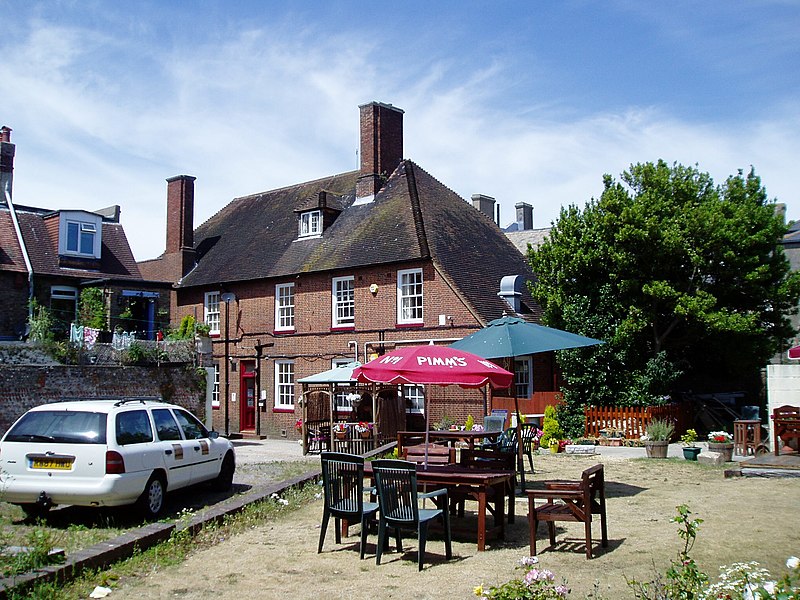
point(247, 390)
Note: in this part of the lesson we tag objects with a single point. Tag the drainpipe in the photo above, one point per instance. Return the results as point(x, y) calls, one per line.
point(6, 181)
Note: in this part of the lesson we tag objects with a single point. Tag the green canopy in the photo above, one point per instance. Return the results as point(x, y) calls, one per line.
point(512, 336)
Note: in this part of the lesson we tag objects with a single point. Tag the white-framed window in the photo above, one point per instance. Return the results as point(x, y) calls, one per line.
point(310, 223)
point(344, 304)
point(409, 296)
point(80, 234)
point(415, 398)
point(64, 304)
point(284, 307)
point(211, 311)
point(522, 377)
point(284, 384)
point(215, 390)
point(342, 395)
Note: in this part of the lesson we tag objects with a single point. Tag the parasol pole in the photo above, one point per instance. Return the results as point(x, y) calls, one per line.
point(427, 423)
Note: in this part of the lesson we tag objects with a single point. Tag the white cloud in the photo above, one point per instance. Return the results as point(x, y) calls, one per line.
point(102, 120)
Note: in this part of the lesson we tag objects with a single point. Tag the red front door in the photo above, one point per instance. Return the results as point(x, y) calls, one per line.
point(247, 417)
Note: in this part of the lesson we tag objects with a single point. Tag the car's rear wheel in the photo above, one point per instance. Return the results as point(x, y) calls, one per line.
point(151, 502)
point(224, 480)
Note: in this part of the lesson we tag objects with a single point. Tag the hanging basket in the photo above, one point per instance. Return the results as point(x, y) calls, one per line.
point(340, 435)
point(365, 435)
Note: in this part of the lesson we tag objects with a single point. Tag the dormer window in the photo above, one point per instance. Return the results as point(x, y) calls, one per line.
point(80, 237)
point(310, 223)
point(80, 234)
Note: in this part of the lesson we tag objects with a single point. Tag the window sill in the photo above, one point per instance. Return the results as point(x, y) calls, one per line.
point(282, 410)
point(409, 325)
point(343, 328)
point(284, 331)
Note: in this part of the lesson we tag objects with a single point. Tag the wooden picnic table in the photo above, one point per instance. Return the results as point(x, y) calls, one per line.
point(449, 436)
point(478, 484)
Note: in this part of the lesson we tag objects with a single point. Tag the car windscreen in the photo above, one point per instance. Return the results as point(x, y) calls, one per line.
point(70, 427)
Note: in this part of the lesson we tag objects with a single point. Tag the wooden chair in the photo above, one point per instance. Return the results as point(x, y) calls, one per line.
point(786, 427)
point(399, 498)
point(487, 460)
point(437, 455)
point(577, 501)
point(343, 484)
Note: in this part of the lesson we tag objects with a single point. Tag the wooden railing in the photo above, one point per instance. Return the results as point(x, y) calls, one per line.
point(631, 421)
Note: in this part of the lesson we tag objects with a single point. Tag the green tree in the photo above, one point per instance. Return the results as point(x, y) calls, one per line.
point(92, 308)
point(685, 281)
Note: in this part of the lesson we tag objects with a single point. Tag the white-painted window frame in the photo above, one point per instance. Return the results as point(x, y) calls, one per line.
point(284, 307)
point(410, 297)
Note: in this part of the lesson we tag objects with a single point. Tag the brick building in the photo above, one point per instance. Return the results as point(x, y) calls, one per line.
point(51, 255)
point(296, 280)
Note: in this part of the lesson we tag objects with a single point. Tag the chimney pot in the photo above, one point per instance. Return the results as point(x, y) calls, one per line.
point(5, 134)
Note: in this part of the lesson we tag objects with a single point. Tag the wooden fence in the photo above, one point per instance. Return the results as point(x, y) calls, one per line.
point(631, 421)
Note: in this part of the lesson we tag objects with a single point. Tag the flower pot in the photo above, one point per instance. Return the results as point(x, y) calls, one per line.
point(365, 435)
point(657, 449)
point(691, 452)
point(340, 435)
point(724, 448)
point(554, 449)
point(615, 442)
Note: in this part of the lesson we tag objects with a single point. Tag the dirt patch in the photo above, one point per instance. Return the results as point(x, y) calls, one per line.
point(745, 519)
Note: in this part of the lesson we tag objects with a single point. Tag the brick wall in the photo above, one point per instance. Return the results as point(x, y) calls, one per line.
point(314, 344)
point(14, 300)
point(25, 386)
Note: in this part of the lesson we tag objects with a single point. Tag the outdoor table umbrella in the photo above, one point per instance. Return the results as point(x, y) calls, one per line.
point(433, 365)
point(510, 337)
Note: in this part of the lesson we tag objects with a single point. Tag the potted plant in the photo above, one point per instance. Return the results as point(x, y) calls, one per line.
point(690, 450)
point(340, 431)
point(722, 442)
point(656, 441)
point(364, 429)
point(554, 446)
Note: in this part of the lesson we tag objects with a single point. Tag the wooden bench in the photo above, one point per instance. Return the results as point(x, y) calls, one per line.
point(570, 501)
point(786, 427)
point(437, 455)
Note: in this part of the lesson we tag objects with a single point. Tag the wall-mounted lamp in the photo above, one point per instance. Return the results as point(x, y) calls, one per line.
point(373, 288)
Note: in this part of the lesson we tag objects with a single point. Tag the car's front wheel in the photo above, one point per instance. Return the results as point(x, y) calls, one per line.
point(224, 480)
point(151, 502)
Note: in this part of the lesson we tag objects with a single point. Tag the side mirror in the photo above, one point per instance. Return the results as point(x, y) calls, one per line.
point(213, 435)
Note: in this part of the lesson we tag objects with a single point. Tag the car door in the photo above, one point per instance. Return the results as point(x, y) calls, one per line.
point(205, 457)
point(176, 453)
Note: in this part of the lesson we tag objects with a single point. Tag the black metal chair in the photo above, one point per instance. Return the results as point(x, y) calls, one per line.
point(398, 497)
point(343, 483)
point(530, 443)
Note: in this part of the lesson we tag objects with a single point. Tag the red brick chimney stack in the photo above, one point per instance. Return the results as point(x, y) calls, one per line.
point(180, 222)
point(381, 146)
point(180, 213)
point(5, 134)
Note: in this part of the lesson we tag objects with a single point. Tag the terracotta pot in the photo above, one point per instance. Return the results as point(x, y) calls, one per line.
point(340, 435)
point(657, 449)
point(366, 434)
point(724, 448)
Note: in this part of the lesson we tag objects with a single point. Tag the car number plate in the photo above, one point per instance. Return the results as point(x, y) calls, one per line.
point(62, 464)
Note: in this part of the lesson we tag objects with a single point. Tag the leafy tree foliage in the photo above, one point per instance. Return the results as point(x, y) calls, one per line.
point(684, 280)
point(92, 308)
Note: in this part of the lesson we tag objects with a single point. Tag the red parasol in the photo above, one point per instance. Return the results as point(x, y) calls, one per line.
point(433, 365)
point(794, 353)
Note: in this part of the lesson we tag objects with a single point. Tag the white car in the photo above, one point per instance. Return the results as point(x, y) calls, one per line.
point(109, 453)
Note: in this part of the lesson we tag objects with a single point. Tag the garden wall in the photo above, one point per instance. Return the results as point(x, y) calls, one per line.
point(25, 386)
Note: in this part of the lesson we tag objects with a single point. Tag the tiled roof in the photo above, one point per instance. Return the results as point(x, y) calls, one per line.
point(522, 238)
point(11, 258)
point(116, 257)
point(412, 217)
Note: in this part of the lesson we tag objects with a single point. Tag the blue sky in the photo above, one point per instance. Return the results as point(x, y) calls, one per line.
point(523, 101)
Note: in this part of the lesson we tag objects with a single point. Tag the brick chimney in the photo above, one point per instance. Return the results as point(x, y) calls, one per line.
point(180, 220)
point(524, 216)
point(381, 147)
point(7, 150)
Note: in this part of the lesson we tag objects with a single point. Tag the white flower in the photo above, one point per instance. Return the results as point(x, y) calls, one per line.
point(769, 586)
point(793, 562)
